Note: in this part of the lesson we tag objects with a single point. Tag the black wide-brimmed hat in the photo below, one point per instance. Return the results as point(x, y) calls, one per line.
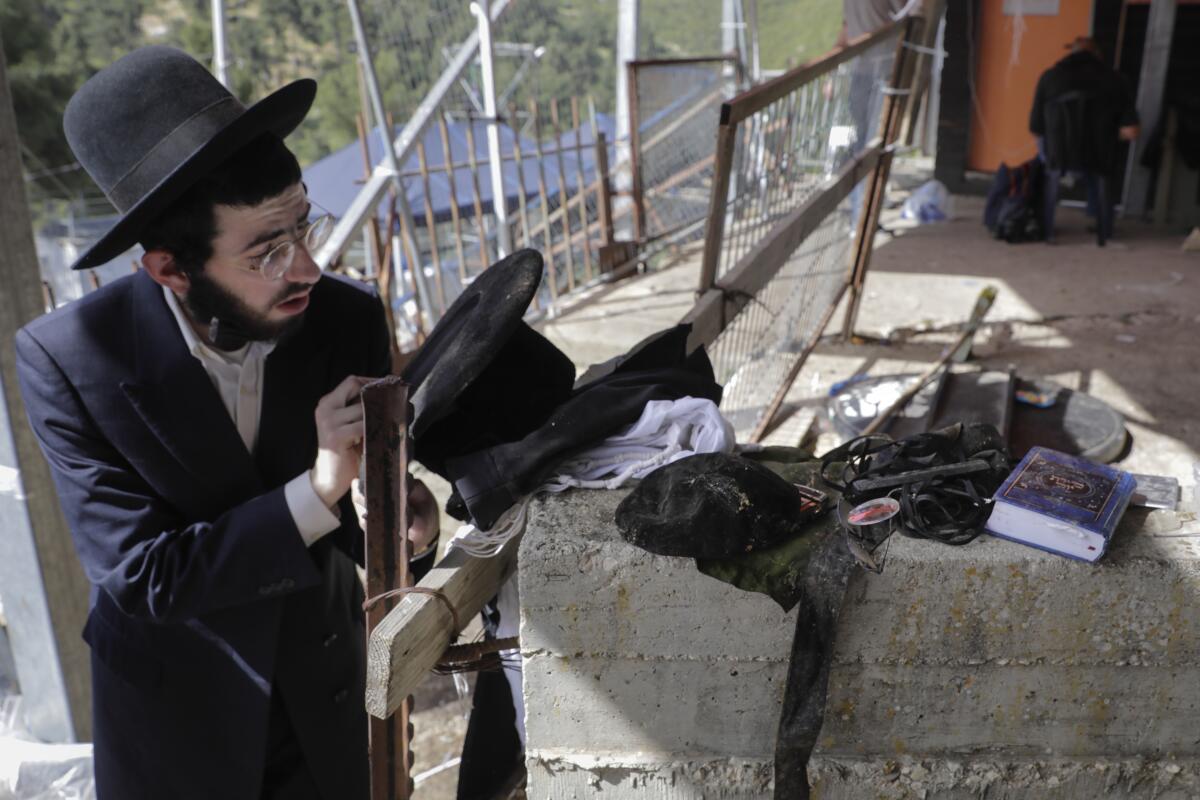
point(713, 505)
point(149, 125)
point(484, 377)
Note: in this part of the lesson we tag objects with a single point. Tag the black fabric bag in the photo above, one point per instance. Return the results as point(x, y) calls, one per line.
point(1013, 211)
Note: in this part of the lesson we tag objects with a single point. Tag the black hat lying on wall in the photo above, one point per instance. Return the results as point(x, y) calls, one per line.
point(484, 377)
point(712, 505)
point(147, 127)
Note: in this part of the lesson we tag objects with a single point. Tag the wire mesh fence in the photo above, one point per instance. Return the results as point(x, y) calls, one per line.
point(753, 355)
point(795, 159)
point(675, 107)
point(787, 150)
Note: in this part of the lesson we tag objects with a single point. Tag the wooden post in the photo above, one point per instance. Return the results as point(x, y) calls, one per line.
point(44, 588)
point(388, 551)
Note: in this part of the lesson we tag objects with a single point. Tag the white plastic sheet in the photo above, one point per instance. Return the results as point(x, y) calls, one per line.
point(34, 770)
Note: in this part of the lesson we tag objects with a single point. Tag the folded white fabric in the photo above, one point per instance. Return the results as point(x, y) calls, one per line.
point(667, 431)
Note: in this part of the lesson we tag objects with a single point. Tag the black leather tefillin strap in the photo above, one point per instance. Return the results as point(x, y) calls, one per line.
point(943, 479)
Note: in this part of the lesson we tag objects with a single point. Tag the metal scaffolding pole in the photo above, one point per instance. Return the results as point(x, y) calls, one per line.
point(218, 28)
point(495, 165)
point(627, 33)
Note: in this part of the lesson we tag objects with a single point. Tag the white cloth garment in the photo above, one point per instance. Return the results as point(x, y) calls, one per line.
point(667, 431)
point(238, 379)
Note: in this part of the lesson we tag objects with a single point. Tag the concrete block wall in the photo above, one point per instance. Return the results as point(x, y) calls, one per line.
point(991, 670)
point(643, 678)
point(999, 670)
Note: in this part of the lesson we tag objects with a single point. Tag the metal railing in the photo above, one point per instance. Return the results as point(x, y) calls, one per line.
point(799, 160)
point(674, 106)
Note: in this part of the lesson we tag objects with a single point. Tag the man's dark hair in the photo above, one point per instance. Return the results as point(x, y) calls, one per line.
point(258, 171)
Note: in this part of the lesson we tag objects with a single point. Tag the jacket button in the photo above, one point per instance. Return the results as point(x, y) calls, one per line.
point(340, 695)
point(330, 639)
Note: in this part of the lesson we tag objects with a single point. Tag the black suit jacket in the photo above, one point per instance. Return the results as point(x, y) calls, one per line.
point(203, 593)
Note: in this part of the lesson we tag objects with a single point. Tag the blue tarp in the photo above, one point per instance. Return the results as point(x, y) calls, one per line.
point(334, 181)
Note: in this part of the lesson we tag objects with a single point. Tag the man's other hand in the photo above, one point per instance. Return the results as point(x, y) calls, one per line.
point(1127, 133)
point(424, 520)
point(339, 418)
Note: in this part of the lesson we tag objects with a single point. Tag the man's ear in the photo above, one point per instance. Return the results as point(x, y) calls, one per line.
point(162, 268)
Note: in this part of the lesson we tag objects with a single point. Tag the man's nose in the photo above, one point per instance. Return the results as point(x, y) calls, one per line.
point(303, 268)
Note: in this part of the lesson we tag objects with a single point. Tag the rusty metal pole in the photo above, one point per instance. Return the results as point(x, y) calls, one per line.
point(388, 550)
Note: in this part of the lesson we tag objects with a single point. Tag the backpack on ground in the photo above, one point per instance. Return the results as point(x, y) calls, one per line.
point(1014, 203)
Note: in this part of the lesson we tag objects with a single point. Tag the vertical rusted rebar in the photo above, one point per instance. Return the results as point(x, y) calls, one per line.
point(564, 200)
point(547, 232)
point(455, 219)
point(431, 228)
point(605, 189)
point(475, 195)
point(581, 189)
point(635, 156)
point(387, 554)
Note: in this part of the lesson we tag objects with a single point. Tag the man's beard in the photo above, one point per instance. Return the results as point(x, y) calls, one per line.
point(236, 323)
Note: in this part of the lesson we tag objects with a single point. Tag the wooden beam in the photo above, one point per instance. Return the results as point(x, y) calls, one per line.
point(406, 644)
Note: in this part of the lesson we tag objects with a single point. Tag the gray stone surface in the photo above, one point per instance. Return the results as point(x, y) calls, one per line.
point(642, 676)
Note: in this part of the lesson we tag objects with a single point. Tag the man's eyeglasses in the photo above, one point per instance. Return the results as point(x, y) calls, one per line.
point(276, 261)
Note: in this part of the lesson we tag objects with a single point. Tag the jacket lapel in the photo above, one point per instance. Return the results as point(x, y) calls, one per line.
point(295, 378)
point(178, 402)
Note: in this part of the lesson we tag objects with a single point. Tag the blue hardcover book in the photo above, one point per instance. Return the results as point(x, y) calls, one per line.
point(1060, 503)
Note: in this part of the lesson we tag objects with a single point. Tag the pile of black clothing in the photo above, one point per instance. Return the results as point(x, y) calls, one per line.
point(757, 521)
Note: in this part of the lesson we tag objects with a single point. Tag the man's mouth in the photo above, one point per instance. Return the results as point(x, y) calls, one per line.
point(295, 305)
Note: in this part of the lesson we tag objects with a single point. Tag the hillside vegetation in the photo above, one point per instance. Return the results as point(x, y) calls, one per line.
point(53, 46)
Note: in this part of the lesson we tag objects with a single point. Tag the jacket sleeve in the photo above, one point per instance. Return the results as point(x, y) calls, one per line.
point(154, 563)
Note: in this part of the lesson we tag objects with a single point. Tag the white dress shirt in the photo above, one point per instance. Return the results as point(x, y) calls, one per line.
point(238, 378)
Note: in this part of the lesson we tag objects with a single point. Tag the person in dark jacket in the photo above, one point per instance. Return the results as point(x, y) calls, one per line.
point(1081, 109)
point(201, 421)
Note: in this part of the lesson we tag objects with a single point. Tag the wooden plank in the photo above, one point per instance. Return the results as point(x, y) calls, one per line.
point(412, 637)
